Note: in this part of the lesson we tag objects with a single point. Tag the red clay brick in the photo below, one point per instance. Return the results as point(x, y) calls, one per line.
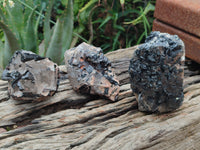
point(192, 43)
point(184, 14)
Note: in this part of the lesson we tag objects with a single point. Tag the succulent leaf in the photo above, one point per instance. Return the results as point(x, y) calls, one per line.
point(54, 50)
point(30, 36)
point(11, 43)
point(67, 19)
point(47, 29)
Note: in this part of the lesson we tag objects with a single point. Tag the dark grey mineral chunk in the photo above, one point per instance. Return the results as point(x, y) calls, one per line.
point(90, 72)
point(157, 72)
point(31, 77)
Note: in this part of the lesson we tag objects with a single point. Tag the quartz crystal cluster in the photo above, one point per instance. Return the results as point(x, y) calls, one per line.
point(157, 72)
point(90, 72)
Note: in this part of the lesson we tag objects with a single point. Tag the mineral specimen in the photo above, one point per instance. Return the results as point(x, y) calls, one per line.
point(90, 72)
point(30, 77)
point(157, 72)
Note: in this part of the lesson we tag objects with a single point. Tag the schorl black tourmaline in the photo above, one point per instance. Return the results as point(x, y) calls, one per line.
point(157, 72)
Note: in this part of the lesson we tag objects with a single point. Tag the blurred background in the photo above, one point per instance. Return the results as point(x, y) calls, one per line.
point(50, 27)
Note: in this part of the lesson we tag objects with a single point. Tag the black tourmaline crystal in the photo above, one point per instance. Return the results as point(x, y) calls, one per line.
point(90, 72)
point(157, 72)
point(31, 77)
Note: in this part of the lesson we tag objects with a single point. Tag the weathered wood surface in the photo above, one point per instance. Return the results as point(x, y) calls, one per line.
point(72, 121)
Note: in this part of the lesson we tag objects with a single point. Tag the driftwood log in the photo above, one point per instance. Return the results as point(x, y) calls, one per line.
point(72, 121)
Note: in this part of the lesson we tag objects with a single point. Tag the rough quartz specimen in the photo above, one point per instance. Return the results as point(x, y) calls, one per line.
point(157, 72)
point(90, 71)
point(30, 77)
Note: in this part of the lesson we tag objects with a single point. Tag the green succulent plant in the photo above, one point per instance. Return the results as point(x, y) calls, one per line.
point(19, 23)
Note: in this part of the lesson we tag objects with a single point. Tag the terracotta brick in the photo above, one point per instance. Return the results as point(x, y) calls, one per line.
point(192, 43)
point(183, 14)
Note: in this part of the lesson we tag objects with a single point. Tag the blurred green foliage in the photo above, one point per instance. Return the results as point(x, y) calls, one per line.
point(49, 27)
point(114, 24)
point(20, 24)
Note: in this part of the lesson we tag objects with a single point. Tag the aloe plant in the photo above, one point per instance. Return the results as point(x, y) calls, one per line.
point(20, 23)
point(10, 46)
point(1, 57)
point(61, 36)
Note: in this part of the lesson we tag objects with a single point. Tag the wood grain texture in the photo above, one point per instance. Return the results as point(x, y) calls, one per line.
point(80, 122)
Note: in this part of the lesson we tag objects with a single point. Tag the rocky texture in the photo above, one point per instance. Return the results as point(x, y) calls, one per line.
point(157, 73)
point(180, 17)
point(71, 121)
point(30, 76)
point(91, 72)
point(192, 43)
